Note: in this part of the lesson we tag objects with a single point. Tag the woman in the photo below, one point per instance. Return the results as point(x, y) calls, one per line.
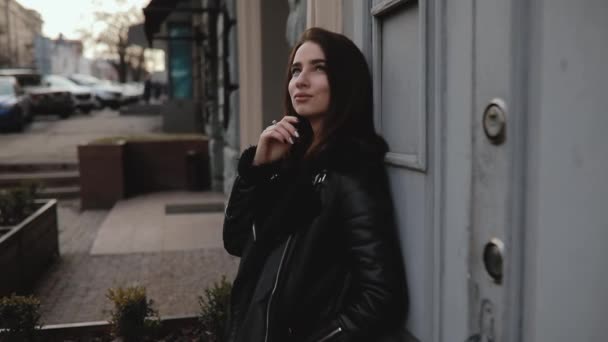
point(310, 212)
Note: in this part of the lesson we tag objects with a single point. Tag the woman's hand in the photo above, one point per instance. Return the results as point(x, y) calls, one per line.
point(276, 140)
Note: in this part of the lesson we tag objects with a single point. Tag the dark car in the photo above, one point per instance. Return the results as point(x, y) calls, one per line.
point(14, 105)
point(44, 100)
point(83, 97)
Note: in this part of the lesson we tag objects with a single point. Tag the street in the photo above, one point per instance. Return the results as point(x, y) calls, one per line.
point(51, 139)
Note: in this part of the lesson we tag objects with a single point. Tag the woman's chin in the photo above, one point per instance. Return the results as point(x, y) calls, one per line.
point(309, 114)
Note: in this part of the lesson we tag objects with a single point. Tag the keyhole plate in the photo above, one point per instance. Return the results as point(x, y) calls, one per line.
point(495, 121)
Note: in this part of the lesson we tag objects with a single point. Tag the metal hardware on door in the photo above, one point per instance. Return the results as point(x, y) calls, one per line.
point(486, 322)
point(495, 121)
point(493, 259)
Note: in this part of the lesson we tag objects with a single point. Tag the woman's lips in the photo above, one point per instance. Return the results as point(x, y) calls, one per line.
point(302, 98)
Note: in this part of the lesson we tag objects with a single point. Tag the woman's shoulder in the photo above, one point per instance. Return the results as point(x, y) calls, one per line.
point(355, 158)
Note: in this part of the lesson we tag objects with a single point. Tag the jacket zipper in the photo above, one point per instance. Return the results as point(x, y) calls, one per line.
point(276, 283)
point(331, 334)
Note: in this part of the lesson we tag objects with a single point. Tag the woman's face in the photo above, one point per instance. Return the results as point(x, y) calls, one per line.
point(309, 85)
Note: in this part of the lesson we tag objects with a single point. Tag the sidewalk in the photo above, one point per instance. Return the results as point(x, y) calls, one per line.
point(175, 254)
point(143, 224)
point(74, 288)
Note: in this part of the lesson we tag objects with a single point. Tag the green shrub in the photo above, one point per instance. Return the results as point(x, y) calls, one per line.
point(214, 308)
point(17, 203)
point(133, 317)
point(19, 318)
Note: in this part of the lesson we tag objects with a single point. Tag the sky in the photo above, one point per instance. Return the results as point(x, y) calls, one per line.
point(67, 16)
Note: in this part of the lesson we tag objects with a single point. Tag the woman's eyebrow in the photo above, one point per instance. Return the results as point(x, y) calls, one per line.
point(312, 61)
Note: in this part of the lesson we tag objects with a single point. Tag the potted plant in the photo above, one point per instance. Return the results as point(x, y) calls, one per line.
point(134, 318)
point(28, 238)
point(16, 204)
point(19, 318)
point(214, 308)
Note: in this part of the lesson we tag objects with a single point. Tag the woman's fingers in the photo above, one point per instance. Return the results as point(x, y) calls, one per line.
point(288, 124)
point(276, 133)
point(284, 132)
point(290, 118)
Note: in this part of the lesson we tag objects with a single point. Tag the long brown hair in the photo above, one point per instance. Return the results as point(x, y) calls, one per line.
point(350, 115)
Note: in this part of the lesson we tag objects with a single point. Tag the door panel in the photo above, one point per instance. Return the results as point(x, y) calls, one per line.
point(400, 80)
point(456, 61)
point(411, 206)
point(399, 63)
point(492, 167)
point(399, 57)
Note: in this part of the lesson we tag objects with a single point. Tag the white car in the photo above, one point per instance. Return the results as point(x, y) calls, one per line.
point(132, 92)
point(83, 97)
point(106, 93)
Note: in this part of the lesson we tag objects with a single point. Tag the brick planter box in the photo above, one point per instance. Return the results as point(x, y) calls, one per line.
point(28, 248)
point(102, 180)
point(113, 171)
point(88, 331)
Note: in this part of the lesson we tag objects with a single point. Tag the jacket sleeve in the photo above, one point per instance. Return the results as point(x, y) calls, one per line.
point(378, 298)
point(242, 205)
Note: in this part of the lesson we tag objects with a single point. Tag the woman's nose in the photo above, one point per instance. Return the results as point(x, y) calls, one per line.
point(302, 79)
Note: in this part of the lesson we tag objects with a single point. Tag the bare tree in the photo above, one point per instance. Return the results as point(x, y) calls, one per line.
point(113, 45)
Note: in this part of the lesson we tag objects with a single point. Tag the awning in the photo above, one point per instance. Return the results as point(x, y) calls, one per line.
point(136, 35)
point(155, 14)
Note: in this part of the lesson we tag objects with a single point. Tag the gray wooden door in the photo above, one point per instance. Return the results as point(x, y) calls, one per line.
point(437, 67)
point(495, 114)
point(538, 192)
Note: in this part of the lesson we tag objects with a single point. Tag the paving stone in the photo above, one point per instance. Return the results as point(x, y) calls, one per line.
point(74, 289)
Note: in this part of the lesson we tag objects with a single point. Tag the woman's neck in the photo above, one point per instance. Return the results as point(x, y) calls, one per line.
point(316, 124)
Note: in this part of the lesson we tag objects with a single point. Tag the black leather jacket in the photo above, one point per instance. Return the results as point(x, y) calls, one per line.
point(320, 258)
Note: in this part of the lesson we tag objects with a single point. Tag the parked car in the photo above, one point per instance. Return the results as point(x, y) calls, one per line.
point(132, 92)
point(15, 110)
point(83, 97)
point(44, 100)
point(107, 94)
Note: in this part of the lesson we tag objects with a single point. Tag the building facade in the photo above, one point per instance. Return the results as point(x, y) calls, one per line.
point(67, 57)
point(44, 51)
point(64, 57)
point(19, 28)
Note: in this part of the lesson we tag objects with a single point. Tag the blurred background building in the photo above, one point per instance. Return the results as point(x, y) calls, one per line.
point(67, 57)
point(19, 29)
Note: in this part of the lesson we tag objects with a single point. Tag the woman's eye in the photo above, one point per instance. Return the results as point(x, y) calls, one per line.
point(295, 72)
point(320, 68)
